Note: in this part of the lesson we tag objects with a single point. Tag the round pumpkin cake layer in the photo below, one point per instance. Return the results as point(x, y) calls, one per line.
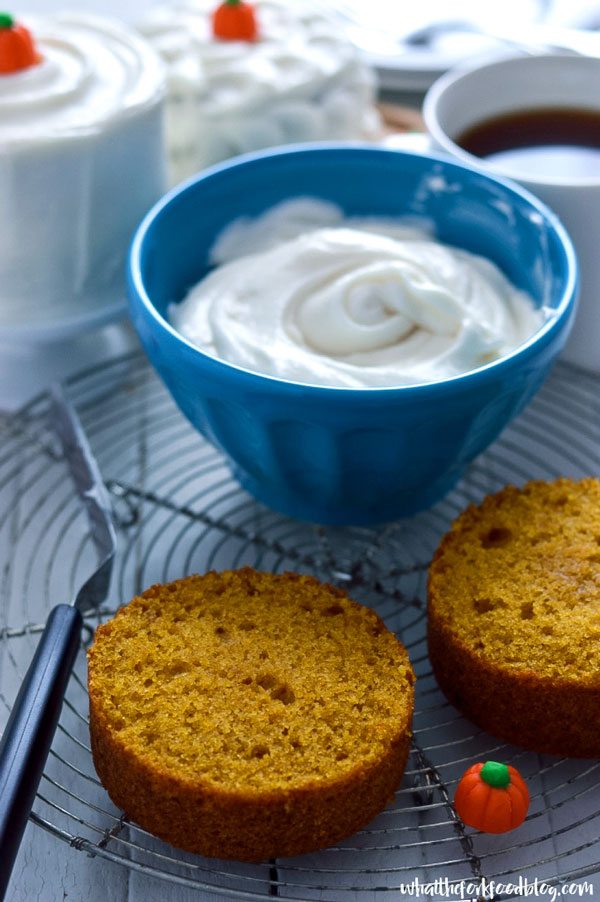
point(249, 715)
point(514, 615)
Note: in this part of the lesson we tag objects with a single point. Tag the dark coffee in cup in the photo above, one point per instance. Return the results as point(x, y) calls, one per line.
point(547, 141)
point(543, 110)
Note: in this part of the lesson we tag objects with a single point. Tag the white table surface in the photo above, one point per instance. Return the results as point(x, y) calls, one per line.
point(46, 869)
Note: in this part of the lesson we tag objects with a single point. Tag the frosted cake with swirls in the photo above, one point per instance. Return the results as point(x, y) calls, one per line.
point(299, 80)
point(81, 160)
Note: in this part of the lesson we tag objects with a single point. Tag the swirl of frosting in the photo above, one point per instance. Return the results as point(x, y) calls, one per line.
point(365, 303)
point(373, 306)
point(92, 71)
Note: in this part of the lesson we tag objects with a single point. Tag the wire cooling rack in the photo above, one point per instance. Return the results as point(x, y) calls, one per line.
point(179, 511)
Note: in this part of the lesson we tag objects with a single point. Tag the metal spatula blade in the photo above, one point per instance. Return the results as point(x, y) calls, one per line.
point(28, 735)
point(92, 491)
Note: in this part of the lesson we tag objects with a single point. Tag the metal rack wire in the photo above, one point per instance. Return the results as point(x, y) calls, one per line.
point(179, 511)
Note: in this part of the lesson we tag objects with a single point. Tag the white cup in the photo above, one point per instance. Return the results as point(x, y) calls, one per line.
point(466, 97)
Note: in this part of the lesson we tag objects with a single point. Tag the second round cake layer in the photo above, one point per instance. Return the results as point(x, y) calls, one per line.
point(514, 615)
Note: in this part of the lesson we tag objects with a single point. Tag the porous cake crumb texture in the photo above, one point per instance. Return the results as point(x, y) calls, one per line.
point(247, 715)
point(514, 615)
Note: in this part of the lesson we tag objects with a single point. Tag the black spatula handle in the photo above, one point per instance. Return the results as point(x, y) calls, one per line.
point(28, 735)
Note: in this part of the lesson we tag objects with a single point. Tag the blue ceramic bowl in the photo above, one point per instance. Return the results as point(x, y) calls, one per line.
point(342, 455)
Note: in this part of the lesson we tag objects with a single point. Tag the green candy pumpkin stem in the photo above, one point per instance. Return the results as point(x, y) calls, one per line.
point(495, 774)
point(6, 20)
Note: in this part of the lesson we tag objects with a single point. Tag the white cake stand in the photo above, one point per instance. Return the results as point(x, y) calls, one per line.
point(32, 355)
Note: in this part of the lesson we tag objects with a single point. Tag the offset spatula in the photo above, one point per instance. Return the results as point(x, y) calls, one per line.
point(28, 735)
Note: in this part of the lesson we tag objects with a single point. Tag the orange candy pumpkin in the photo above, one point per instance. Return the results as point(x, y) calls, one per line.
point(235, 20)
point(492, 797)
point(17, 49)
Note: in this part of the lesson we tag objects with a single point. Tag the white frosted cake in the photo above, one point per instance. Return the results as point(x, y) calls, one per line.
point(81, 160)
point(299, 79)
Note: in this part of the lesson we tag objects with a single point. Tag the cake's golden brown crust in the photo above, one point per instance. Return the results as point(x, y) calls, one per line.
point(259, 753)
point(514, 616)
